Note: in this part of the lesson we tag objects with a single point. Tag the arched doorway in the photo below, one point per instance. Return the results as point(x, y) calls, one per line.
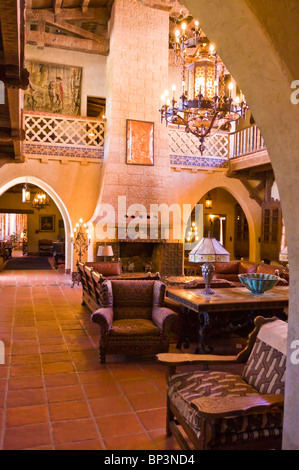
point(225, 220)
point(65, 224)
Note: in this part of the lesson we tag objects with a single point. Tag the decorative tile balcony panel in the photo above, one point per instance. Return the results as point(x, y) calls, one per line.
point(184, 150)
point(59, 136)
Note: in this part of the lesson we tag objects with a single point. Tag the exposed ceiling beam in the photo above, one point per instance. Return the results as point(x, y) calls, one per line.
point(84, 5)
point(64, 26)
point(57, 5)
point(253, 192)
point(69, 42)
point(99, 14)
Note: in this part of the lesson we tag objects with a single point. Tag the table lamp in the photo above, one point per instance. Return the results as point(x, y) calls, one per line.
point(105, 250)
point(208, 251)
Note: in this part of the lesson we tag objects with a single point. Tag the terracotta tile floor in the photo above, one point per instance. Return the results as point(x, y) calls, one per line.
point(54, 393)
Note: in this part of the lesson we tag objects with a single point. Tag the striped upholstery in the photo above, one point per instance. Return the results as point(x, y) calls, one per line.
point(265, 369)
point(264, 373)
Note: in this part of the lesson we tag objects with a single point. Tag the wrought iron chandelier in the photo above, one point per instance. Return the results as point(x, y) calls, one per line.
point(204, 105)
point(40, 201)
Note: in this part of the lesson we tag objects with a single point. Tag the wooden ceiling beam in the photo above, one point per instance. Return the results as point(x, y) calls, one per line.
point(70, 43)
point(68, 14)
point(57, 5)
point(84, 5)
point(70, 28)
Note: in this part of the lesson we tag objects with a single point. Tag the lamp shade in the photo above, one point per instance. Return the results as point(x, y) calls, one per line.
point(209, 250)
point(283, 255)
point(105, 250)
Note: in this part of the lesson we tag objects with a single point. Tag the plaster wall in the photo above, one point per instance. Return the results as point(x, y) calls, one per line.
point(264, 67)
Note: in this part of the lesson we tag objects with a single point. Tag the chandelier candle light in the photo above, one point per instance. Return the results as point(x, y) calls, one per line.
point(40, 201)
point(208, 251)
point(203, 105)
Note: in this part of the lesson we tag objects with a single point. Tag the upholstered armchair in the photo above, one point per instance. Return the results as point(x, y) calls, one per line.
point(133, 319)
point(230, 411)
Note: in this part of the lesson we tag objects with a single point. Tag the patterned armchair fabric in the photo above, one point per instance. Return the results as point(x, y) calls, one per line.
point(133, 319)
point(264, 373)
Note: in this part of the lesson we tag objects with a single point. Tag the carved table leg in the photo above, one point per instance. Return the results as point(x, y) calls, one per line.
point(182, 326)
point(204, 322)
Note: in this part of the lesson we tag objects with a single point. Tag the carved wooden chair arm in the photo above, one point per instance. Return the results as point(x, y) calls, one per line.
point(174, 359)
point(228, 407)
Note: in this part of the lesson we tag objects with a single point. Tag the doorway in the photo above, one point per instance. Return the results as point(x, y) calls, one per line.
point(30, 228)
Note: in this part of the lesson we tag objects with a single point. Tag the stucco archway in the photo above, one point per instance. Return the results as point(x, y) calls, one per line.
point(59, 203)
point(191, 187)
point(254, 232)
point(251, 44)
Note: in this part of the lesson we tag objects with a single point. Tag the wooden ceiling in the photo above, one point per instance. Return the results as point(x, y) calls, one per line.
point(80, 25)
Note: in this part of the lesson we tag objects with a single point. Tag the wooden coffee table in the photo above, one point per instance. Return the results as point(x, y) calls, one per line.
point(219, 307)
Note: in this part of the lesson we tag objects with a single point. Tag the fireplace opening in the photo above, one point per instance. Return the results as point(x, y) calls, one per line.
point(139, 257)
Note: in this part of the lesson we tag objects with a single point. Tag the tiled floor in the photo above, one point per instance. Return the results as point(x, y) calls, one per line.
point(54, 393)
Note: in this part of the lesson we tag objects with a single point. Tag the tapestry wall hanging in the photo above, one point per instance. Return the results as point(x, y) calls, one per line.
point(53, 88)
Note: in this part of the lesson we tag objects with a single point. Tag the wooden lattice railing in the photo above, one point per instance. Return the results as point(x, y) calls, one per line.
point(183, 143)
point(56, 129)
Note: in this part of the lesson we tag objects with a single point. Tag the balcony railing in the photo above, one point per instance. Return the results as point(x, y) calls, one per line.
point(184, 150)
point(76, 137)
point(246, 142)
point(62, 136)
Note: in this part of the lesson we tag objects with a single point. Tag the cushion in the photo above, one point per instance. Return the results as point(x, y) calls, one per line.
point(131, 312)
point(231, 267)
point(159, 294)
point(246, 267)
point(132, 293)
point(265, 368)
point(267, 268)
point(107, 268)
point(134, 327)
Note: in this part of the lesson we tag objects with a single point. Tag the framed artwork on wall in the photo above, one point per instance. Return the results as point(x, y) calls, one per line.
point(53, 88)
point(47, 223)
point(140, 142)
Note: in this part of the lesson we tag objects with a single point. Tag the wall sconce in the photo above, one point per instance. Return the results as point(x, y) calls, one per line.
point(209, 202)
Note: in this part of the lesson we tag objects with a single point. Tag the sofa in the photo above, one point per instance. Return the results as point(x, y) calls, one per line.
point(219, 410)
point(230, 270)
point(133, 319)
